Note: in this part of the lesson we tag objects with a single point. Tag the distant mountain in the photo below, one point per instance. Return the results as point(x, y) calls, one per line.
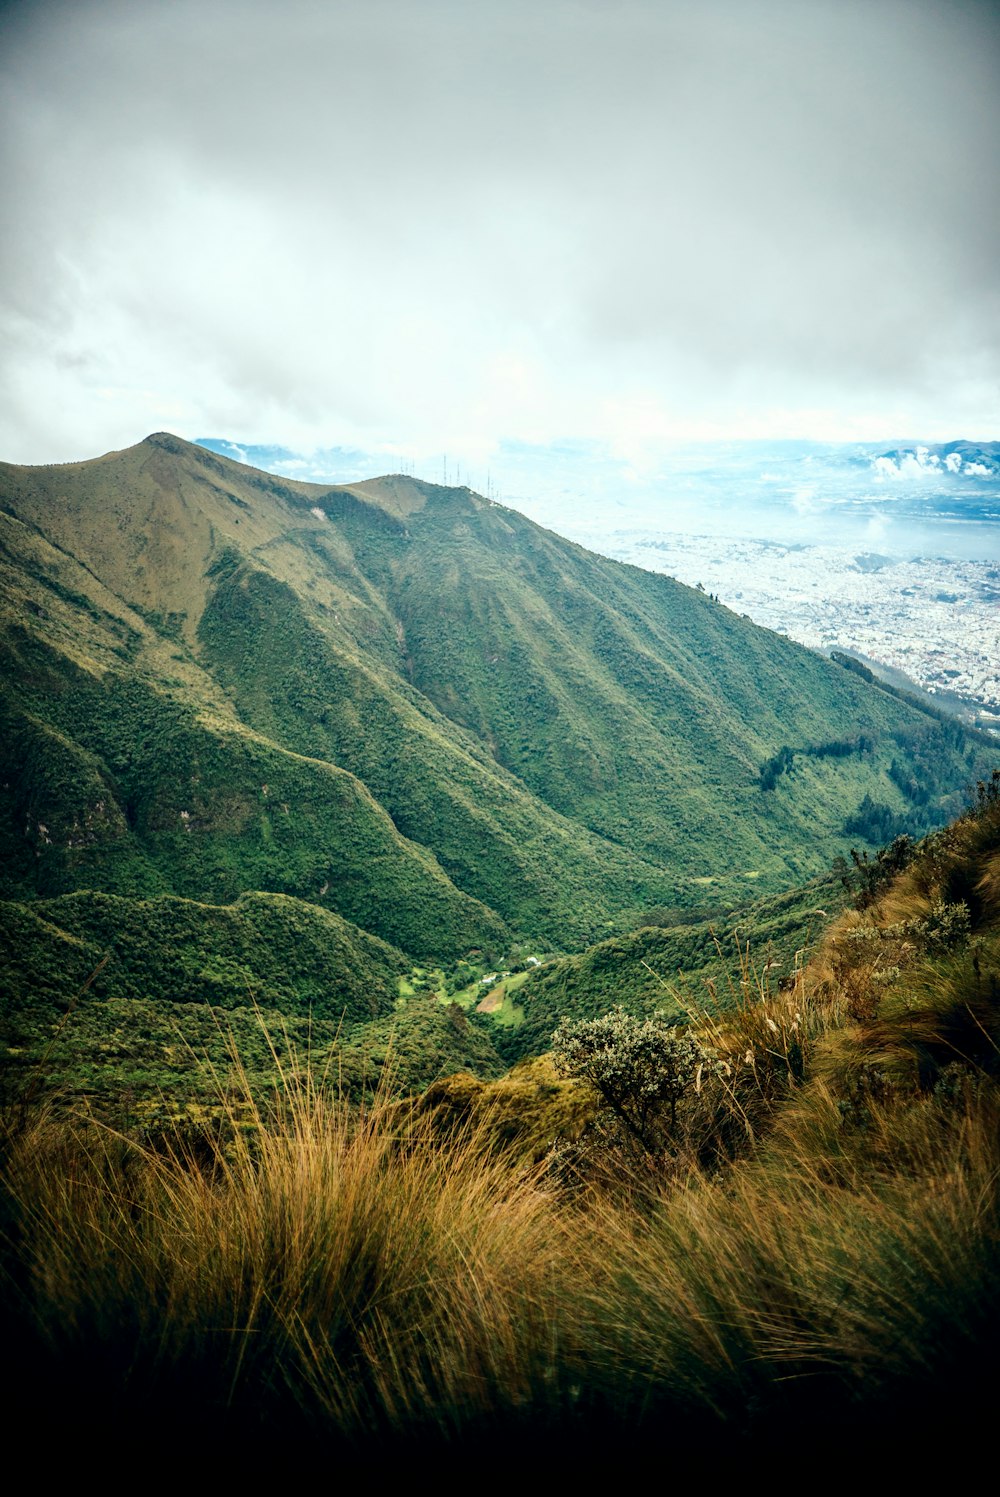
point(412, 707)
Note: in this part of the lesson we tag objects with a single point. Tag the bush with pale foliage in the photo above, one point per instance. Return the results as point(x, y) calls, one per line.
point(642, 1068)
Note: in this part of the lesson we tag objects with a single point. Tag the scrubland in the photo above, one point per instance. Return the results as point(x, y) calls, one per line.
point(806, 1259)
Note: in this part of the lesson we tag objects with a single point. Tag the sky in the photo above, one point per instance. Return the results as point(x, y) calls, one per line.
point(463, 226)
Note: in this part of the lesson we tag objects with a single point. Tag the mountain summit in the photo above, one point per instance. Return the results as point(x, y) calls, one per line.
point(411, 706)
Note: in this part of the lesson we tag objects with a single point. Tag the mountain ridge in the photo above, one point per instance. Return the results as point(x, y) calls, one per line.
point(521, 737)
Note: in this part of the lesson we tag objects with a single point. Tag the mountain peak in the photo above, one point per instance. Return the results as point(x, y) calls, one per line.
point(169, 441)
point(565, 741)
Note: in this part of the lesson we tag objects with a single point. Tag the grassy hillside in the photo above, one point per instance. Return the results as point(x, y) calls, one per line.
point(183, 982)
point(113, 783)
point(142, 1008)
point(281, 952)
point(675, 968)
point(801, 1266)
point(442, 789)
point(413, 707)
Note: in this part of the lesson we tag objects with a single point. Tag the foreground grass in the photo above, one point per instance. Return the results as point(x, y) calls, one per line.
point(814, 1264)
point(318, 1265)
point(366, 1287)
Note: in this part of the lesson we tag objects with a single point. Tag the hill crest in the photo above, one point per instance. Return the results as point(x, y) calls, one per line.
point(539, 740)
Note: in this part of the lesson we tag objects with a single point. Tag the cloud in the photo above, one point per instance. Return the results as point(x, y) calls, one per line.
point(921, 463)
point(806, 500)
point(438, 227)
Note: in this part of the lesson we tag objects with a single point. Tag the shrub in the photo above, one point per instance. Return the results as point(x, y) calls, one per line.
point(641, 1068)
point(871, 876)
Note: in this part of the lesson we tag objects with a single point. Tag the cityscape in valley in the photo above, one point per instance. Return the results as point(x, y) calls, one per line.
point(889, 553)
point(935, 619)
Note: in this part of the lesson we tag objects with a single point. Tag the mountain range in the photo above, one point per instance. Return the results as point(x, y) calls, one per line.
point(401, 722)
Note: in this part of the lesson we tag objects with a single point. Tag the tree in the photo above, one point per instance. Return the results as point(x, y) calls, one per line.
point(641, 1068)
point(870, 876)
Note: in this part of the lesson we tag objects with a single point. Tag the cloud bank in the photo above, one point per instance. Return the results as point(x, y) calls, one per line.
point(415, 228)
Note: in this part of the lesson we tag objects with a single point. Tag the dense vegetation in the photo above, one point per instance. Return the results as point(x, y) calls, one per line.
point(405, 1034)
point(803, 1258)
point(413, 708)
point(674, 967)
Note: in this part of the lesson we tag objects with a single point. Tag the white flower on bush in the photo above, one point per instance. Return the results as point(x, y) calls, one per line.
point(640, 1067)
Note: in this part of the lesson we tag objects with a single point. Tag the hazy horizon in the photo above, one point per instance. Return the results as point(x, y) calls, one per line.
point(849, 495)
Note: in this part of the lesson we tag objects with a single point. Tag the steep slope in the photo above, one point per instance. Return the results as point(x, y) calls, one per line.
point(410, 705)
point(640, 707)
point(112, 784)
point(696, 967)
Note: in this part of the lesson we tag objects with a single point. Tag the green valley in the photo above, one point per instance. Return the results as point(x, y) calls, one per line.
point(271, 744)
point(440, 1002)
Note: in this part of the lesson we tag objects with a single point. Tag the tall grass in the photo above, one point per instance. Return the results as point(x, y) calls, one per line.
point(353, 1279)
point(824, 1277)
point(345, 1270)
point(368, 1279)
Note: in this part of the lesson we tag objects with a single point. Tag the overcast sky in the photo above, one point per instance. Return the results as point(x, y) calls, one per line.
point(442, 224)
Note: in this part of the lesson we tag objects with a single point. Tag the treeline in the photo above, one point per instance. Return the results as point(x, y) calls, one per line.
point(966, 733)
point(919, 773)
point(836, 748)
point(875, 822)
point(923, 773)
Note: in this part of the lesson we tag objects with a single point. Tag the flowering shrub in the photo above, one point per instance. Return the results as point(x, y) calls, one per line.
point(944, 927)
point(641, 1068)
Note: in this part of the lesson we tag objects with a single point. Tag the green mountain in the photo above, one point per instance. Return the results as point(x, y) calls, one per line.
point(682, 969)
point(408, 710)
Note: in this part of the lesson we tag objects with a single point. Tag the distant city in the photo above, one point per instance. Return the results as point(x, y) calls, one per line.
point(891, 552)
point(935, 620)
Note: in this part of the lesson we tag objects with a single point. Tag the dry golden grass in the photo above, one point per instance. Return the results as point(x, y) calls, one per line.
point(358, 1278)
point(808, 1267)
point(348, 1264)
point(824, 1246)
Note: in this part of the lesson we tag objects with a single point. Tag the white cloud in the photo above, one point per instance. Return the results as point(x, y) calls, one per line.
point(922, 463)
point(805, 500)
point(435, 227)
